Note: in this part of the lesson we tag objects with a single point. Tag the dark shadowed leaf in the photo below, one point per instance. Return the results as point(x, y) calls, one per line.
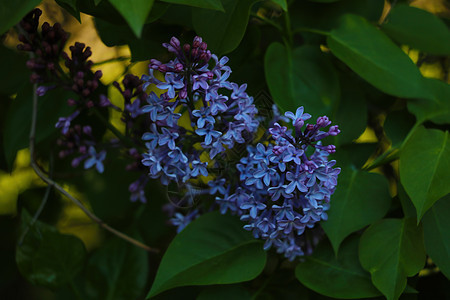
point(361, 198)
point(225, 292)
point(435, 109)
point(397, 126)
point(424, 165)
point(214, 249)
point(71, 6)
point(418, 28)
point(373, 56)
point(282, 4)
point(208, 4)
point(223, 31)
point(350, 113)
point(135, 12)
point(391, 250)
point(325, 16)
point(303, 77)
point(117, 271)
point(11, 12)
point(17, 75)
point(332, 276)
point(47, 257)
point(436, 224)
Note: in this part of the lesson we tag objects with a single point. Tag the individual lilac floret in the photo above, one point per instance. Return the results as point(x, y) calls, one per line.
point(220, 113)
point(284, 191)
point(95, 159)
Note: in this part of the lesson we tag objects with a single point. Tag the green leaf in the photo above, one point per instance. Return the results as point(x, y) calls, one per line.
point(17, 75)
point(397, 126)
point(11, 12)
point(214, 249)
point(223, 31)
point(207, 4)
point(51, 106)
point(325, 16)
point(71, 6)
point(436, 224)
point(329, 275)
point(47, 257)
point(303, 77)
point(282, 3)
point(225, 292)
point(436, 109)
point(361, 198)
point(418, 28)
point(148, 46)
point(135, 12)
point(117, 271)
point(368, 52)
point(391, 250)
point(350, 113)
point(424, 165)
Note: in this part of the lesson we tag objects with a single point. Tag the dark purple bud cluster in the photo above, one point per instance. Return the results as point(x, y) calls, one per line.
point(83, 81)
point(46, 47)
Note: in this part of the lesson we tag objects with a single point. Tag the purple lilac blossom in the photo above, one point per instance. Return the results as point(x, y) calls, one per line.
point(282, 190)
point(197, 90)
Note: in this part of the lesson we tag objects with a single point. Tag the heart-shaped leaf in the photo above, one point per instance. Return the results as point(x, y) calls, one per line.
point(424, 165)
point(213, 249)
point(361, 198)
point(391, 250)
point(329, 275)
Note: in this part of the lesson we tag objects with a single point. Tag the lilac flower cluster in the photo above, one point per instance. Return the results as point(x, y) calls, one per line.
point(283, 191)
point(180, 151)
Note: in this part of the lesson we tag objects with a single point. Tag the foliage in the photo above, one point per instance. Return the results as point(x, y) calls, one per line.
point(362, 63)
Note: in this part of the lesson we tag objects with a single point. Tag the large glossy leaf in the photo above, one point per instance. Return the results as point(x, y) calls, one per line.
point(208, 4)
point(214, 249)
point(418, 28)
point(424, 165)
point(435, 109)
point(391, 250)
point(47, 257)
point(11, 12)
point(303, 77)
point(117, 270)
point(223, 31)
point(374, 57)
point(18, 122)
point(361, 198)
point(332, 276)
point(135, 12)
point(436, 224)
